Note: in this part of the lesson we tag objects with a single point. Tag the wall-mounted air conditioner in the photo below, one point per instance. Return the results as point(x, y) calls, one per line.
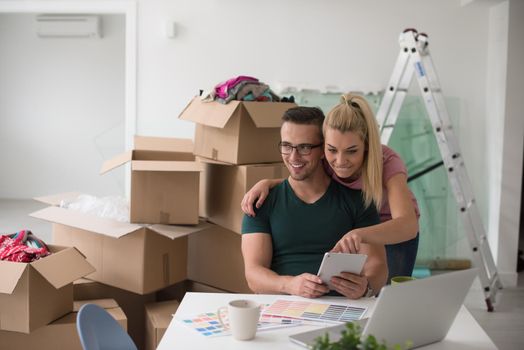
point(68, 26)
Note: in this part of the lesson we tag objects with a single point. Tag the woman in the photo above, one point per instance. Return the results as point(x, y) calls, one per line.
point(355, 158)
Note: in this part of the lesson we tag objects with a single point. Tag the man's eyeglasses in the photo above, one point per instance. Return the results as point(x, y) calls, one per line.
point(303, 149)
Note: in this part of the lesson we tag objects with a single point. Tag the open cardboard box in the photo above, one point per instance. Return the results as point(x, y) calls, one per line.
point(62, 333)
point(164, 180)
point(37, 293)
point(137, 258)
point(237, 132)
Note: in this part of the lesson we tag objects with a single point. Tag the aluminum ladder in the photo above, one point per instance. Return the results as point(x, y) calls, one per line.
point(414, 57)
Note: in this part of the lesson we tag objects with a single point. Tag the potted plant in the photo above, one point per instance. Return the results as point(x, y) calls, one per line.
point(352, 339)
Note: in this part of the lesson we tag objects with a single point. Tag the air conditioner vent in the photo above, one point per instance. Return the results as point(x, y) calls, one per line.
point(69, 26)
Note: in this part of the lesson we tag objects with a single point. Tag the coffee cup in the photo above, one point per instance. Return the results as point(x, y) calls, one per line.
point(242, 319)
point(401, 279)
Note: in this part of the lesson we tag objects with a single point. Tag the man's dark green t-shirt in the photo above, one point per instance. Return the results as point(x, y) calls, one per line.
point(300, 232)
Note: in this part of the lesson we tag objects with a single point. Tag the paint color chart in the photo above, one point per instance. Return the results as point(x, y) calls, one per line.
point(208, 325)
point(314, 311)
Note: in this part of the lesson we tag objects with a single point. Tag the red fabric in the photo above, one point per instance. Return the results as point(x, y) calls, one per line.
point(13, 248)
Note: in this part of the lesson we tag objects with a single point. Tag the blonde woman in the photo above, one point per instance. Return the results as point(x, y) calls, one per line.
point(355, 158)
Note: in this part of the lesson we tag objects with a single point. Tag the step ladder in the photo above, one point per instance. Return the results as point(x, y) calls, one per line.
point(414, 57)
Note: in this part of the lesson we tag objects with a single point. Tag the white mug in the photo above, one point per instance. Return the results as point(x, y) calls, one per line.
point(243, 318)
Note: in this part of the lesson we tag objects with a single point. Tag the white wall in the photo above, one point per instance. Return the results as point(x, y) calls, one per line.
point(350, 44)
point(496, 90)
point(61, 109)
point(513, 145)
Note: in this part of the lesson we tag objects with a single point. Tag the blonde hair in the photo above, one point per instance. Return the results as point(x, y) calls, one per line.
point(354, 114)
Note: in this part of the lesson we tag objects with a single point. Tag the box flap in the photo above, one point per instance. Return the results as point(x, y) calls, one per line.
point(103, 303)
point(164, 144)
point(212, 161)
point(63, 267)
point(11, 273)
point(209, 113)
point(107, 227)
point(116, 161)
point(176, 231)
point(55, 199)
point(160, 165)
point(267, 114)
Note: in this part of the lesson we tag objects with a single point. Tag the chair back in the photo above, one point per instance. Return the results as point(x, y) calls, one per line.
point(98, 330)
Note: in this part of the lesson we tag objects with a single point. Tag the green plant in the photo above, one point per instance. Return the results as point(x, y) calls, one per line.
point(352, 339)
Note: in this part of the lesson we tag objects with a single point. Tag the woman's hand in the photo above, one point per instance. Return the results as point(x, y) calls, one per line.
point(350, 285)
point(349, 243)
point(260, 190)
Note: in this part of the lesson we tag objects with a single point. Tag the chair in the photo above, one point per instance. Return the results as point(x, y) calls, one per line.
point(98, 330)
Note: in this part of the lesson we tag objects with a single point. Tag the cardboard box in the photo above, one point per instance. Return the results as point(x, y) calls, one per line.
point(131, 303)
point(226, 185)
point(158, 315)
point(164, 180)
point(215, 258)
point(137, 258)
point(37, 293)
point(173, 292)
point(238, 132)
point(61, 334)
point(193, 286)
point(178, 290)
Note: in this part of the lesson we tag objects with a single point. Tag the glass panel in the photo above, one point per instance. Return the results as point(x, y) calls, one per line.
point(441, 234)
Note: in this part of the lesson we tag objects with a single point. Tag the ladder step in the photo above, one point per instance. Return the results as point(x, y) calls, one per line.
point(391, 89)
point(434, 90)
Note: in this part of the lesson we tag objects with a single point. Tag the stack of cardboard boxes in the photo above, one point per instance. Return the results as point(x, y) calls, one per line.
point(132, 261)
point(238, 145)
point(167, 249)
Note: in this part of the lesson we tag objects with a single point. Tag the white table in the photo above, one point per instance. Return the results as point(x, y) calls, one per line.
point(465, 333)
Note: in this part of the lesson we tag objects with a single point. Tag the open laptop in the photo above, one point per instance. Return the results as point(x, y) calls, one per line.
point(419, 311)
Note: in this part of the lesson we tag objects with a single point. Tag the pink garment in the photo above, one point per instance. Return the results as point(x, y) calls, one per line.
point(392, 165)
point(222, 89)
point(22, 246)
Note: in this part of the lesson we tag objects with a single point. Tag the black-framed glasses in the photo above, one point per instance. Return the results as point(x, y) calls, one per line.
point(303, 149)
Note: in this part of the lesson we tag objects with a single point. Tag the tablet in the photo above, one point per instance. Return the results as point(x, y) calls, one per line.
point(335, 263)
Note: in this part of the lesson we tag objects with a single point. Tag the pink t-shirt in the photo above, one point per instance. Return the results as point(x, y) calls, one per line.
point(392, 165)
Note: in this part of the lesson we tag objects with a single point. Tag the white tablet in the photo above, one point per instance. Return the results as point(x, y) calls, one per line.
point(335, 263)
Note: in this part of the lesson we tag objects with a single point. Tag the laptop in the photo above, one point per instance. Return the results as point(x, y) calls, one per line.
point(419, 311)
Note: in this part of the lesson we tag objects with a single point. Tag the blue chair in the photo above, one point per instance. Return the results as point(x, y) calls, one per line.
point(98, 330)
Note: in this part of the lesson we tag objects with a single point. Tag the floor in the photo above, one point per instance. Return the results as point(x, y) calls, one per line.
point(505, 326)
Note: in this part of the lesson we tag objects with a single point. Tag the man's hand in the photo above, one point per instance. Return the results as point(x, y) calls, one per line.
point(350, 285)
point(306, 285)
point(349, 243)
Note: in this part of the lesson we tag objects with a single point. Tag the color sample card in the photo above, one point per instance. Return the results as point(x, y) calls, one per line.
point(315, 311)
point(208, 325)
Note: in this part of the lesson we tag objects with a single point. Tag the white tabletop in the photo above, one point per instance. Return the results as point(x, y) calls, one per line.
point(465, 333)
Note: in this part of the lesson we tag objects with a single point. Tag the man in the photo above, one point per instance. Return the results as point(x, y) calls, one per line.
point(304, 217)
